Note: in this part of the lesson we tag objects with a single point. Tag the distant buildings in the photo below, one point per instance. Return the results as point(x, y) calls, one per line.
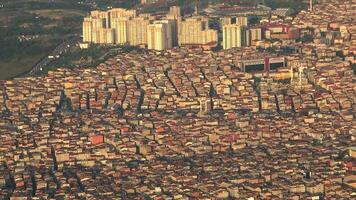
point(193, 123)
point(137, 31)
point(121, 26)
point(283, 12)
point(107, 27)
point(87, 30)
point(159, 35)
point(256, 34)
point(175, 16)
point(174, 12)
point(242, 21)
point(235, 32)
point(281, 31)
point(103, 36)
point(235, 36)
point(196, 31)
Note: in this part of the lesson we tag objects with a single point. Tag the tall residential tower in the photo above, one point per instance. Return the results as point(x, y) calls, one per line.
point(235, 36)
point(159, 35)
point(195, 31)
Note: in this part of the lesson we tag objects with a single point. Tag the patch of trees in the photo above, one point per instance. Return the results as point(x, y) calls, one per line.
point(35, 5)
point(10, 48)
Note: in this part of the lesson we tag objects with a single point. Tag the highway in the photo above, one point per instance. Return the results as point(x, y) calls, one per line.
point(55, 54)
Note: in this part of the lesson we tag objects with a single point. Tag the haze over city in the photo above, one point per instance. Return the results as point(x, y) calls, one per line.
point(177, 99)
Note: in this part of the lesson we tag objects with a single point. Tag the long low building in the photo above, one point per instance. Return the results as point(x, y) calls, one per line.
point(266, 64)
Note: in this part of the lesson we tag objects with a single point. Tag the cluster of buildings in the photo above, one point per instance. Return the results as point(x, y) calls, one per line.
point(120, 26)
point(190, 123)
point(141, 125)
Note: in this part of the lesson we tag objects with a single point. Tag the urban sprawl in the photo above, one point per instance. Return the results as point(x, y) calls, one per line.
point(268, 116)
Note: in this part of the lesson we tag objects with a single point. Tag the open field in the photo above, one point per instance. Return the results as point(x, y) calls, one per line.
point(40, 24)
point(57, 14)
point(9, 16)
point(14, 67)
point(29, 29)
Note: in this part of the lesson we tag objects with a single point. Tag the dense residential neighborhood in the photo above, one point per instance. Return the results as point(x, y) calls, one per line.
point(192, 122)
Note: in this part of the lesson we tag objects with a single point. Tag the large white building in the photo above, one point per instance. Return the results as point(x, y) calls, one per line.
point(121, 26)
point(235, 36)
point(137, 31)
point(159, 35)
point(103, 36)
point(87, 30)
point(195, 30)
point(175, 17)
point(256, 34)
point(115, 26)
point(239, 20)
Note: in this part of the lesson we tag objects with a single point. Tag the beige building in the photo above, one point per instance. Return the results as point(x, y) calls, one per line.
point(159, 35)
point(174, 12)
point(100, 19)
point(95, 36)
point(87, 30)
point(120, 28)
point(235, 36)
point(137, 31)
point(256, 34)
point(121, 12)
point(195, 30)
point(175, 16)
point(240, 20)
point(116, 26)
point(119, 18)
point(109, 36)
point(103, 36)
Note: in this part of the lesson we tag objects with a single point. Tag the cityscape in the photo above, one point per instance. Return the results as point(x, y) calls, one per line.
point(178, 99)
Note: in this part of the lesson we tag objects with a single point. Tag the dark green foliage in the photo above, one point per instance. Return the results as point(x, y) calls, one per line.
point(307, 38)
point(354, 67)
